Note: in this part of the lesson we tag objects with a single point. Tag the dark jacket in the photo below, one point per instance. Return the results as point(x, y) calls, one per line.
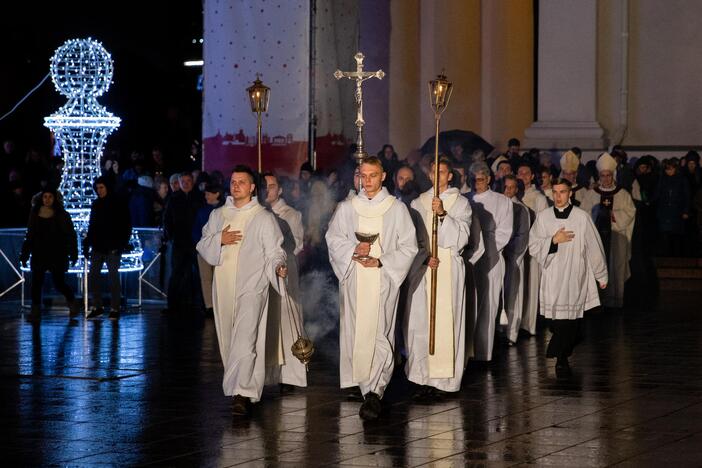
point(179, 217)
point(110, 225)
point(50, 241)
point(201, 218)
point(672, 201)
point(141, 206)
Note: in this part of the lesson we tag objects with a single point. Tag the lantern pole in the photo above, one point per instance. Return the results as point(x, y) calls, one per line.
point(258, 98)
point(439, 95)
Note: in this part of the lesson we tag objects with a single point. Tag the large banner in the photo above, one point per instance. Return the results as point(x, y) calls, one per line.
point(243, 38)
point(336, 43)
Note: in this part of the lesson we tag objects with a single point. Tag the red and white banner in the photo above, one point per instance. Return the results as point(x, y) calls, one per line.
point(243, 38)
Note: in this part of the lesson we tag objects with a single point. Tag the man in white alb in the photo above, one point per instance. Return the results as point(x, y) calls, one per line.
point(536, 202)
point(284, 313)
point(444, 369)
point(567, 246)
point(370, 276)
point(244, 243)
point(496, 215)
point(513, 253)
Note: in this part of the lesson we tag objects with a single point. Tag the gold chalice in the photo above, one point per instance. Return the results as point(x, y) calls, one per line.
point(365, 237)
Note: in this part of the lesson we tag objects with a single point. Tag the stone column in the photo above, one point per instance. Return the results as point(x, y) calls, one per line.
point(567, 77)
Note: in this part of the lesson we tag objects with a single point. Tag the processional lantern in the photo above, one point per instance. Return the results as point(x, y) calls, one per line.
point(259, 95)
point(439, 96)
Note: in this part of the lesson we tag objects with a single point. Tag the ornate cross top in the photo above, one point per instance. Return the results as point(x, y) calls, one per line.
point(359, 76)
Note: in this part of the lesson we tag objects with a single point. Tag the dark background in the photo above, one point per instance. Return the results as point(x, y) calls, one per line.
point(152, 92)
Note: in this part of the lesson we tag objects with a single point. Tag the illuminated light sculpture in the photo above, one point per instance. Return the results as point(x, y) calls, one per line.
point(81, 70)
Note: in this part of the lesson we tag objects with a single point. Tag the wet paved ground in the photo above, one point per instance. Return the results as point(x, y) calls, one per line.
point(147, 391)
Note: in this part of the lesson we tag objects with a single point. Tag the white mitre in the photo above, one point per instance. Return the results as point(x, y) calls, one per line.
point(569, 162)
point(606, 163)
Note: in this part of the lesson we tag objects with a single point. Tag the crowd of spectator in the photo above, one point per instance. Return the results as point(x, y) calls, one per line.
point(667, 194)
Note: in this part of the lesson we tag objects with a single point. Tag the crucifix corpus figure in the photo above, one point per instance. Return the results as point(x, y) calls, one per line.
point(359, 76)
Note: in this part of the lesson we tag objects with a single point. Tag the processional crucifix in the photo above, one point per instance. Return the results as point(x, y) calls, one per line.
point(359, 76)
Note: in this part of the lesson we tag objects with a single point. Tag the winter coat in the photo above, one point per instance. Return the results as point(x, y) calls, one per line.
point(110, 225)
point(179, 217)
point(50, 241)
point(672, 201)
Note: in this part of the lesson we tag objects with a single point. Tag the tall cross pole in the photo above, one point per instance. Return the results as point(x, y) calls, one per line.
point(359, 76)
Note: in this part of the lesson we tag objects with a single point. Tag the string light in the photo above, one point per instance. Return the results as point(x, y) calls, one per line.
point(82, 70)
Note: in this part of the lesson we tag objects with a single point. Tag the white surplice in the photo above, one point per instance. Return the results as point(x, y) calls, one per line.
point(568, 282)
point(496, 217)
point(624, 214)
point(444, 369)
point(283, 320)
point(536, 202)
point(240, 295)
point(368, 296)
point(514, 283)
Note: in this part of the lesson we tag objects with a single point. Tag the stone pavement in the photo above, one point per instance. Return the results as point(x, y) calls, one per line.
point(147, 390)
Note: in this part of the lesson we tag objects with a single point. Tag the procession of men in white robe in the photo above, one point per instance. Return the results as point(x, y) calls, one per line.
point(483, 238)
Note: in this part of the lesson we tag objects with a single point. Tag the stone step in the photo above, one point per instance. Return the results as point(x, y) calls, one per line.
point(678, 262)
point(680, 284)
point(690, 273)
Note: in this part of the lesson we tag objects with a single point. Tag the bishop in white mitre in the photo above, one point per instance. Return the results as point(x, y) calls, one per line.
point(570, 165)
point(243, 242)
point(536, 202)
point(444, 369)
point(496, 216)
point(613, 212)
point(370, 276)
point(564, 241)
point(514, 251)
point(285, 318)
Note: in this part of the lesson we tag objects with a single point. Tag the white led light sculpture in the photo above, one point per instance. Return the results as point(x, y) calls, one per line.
point(81, 70)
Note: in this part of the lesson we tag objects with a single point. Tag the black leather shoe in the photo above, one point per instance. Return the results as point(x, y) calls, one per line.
point(114, 315)
point(73, 309)
point(422, 393)
point(95, 312)
point(286, 388)
point(240, 407)
point(371, 407)
point(35, 315)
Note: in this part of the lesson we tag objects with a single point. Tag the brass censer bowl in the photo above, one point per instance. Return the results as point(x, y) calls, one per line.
point(303, 349)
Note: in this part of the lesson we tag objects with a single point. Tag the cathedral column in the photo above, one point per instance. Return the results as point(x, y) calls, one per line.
point(567, 72)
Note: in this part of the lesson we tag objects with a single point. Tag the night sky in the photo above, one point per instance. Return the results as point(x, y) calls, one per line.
point(153, 93)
